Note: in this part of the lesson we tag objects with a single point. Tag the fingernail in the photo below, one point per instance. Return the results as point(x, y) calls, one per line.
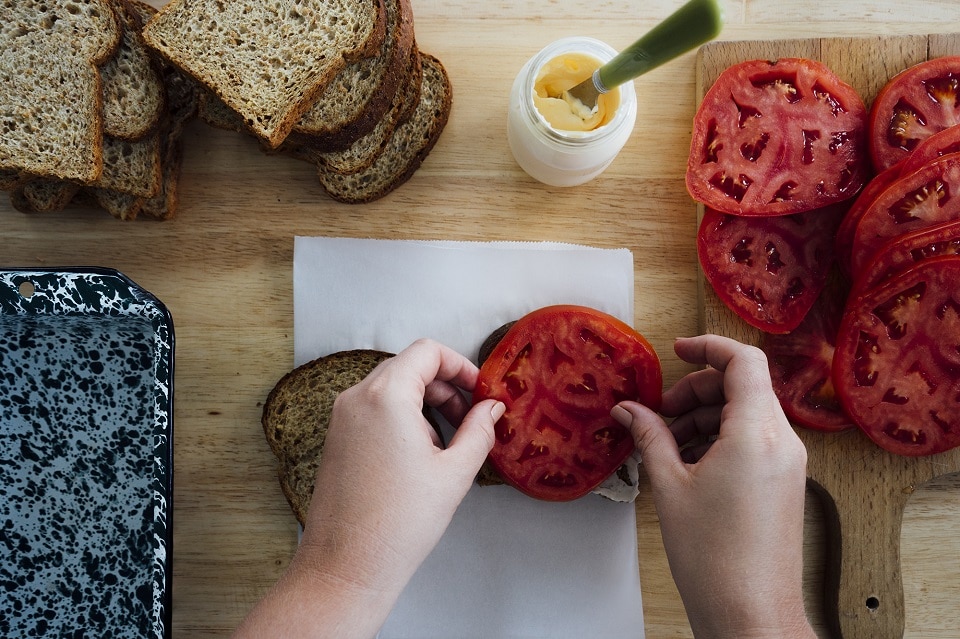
point(621, 415)
point(497, 411)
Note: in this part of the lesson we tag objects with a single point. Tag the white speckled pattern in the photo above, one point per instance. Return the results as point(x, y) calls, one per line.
point(86, 369)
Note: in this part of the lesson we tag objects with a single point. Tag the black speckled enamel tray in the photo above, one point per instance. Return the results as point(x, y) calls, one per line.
point(86, 456)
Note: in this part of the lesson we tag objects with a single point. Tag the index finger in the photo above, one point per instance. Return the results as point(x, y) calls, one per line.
point(745, 368)
point(427, 361)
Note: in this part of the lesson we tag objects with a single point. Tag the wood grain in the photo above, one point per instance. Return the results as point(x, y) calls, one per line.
point(864, 490)
point(223, 266)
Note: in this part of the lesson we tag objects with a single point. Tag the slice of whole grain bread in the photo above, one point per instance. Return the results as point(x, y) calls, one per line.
point(362, 93)
point(296, 416)
point(51, 116)
point(133, 94)
point(364, 151)
point(266, 59)
point(409, 144)
point(131, 166)
point(42, 195)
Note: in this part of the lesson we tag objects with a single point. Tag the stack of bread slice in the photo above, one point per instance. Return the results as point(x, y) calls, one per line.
point(339, 84)
point(91, 115)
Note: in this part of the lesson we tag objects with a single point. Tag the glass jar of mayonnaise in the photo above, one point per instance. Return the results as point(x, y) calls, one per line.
point(552, 136)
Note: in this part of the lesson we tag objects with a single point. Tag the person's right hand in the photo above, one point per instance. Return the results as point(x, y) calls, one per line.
point(731, 509)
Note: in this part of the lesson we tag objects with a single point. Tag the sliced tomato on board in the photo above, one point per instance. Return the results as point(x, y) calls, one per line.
point(913, 105)
point(848, 227)
point(801, 364)
point(560, 370)
point(915, 201)
point(768, 270)
point(897, 363)
point(904, 251)
point(936, 146)
point(776, 138)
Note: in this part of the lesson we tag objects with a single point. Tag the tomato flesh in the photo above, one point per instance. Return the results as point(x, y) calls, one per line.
point(914, 105)
point(848, 227)
point(936, 146)
point(777, 138)
point(897, 363)
point(770, 270)
point(801, 364)
point(904, 251)
point(916, 201)
point(559, 370)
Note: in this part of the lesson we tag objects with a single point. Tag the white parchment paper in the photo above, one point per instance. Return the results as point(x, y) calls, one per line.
point(508, 566)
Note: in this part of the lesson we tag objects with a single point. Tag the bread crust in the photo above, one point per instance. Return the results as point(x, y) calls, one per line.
point(409, 145)
point(41, 137)
point(360, 155)
point(323, 127)
point(286, 90)
point(296, 415)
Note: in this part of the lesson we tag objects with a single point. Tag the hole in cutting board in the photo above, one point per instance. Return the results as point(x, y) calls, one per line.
point(872, 603)
point(26, 289)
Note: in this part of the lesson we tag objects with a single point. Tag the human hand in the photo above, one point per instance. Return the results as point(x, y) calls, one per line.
point(386, 489)
point(730, 504)
point(385, 492)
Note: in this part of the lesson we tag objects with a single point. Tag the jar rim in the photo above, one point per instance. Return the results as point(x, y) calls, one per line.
point(596, 49)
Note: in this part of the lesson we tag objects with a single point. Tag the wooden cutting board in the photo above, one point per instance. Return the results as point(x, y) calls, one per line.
point(863, 488)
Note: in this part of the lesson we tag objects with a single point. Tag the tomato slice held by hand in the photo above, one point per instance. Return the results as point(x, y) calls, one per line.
point(770, 270)
point(915, 104)
point(915, 201)
point(897, 363)
point(801, 364)
point(776, 138)
point(560, 370)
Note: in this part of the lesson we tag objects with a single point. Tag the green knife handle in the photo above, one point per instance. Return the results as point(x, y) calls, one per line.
point(693, 24)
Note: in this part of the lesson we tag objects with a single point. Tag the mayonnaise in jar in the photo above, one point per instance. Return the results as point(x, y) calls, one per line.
point(553, 137)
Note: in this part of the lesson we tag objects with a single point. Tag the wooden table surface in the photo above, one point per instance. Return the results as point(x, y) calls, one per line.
point(224, 269)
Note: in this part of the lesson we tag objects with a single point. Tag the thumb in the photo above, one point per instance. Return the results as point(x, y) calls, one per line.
point(474, 437)
point(657, 447)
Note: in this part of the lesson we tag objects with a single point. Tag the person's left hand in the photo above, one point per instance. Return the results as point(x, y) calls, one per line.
point(386, 489)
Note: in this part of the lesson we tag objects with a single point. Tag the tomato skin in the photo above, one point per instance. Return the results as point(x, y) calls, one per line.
point(915, 201)
point(909, 249)
point(936, 146)
point(769, 271)
point(848, 227)
point(559, 370)
point(913, 105)
point(801, 364)
point(777, 138)
point(897, 362)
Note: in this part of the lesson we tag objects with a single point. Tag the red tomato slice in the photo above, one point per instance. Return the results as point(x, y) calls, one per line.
point(915, 104)
point(913, 202)
point(560, 370)
point(904, 251)
point(776, 138)
point(769, 270)
point(897, 363)
point(801, 364)
point(848, 227)
point(936, 146)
